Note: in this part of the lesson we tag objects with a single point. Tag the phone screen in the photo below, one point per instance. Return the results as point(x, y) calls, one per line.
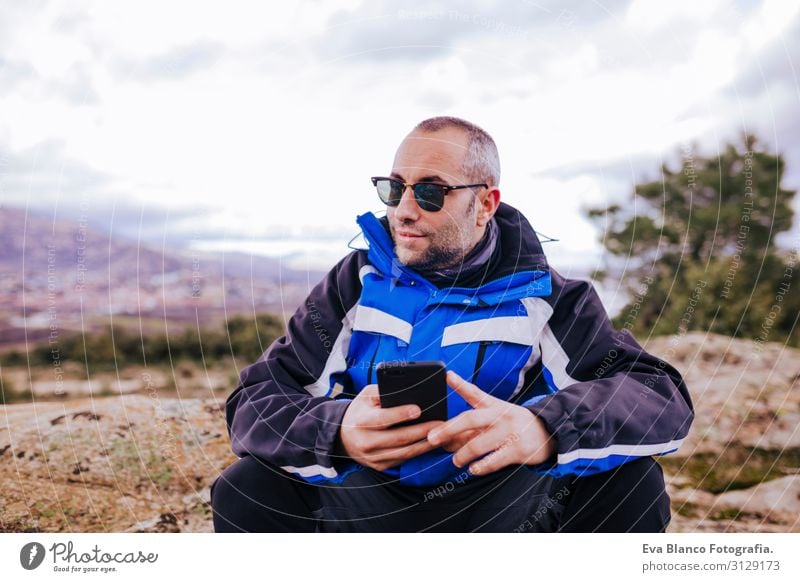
point(420, 383)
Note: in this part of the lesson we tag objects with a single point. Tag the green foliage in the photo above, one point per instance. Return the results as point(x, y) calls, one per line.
point(697, 250)
point(14, 358)
point(735, 468)
point(9, 395)
point(249, 338)
point(244, 338)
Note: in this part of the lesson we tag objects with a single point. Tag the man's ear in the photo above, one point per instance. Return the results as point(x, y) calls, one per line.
point(488, 206)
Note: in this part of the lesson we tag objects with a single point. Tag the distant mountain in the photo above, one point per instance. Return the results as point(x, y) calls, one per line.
point(66, 275)
point(30, 236)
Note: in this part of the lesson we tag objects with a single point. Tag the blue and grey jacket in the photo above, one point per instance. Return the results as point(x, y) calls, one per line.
point(528, 336)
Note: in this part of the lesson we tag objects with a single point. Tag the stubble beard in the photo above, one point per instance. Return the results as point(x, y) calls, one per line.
point(447, 245)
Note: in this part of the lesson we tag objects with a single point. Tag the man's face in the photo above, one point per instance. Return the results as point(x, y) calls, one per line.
point(434, 240)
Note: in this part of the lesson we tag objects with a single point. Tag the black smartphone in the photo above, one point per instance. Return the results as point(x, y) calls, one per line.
point(420, 383)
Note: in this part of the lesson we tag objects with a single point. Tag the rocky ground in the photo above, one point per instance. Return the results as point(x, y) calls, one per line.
point(739, 470)
point(144, 461)
point(127, 463)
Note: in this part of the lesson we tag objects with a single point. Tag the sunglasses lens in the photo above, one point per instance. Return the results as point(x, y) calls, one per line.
point(430, 197)
point(389, 191)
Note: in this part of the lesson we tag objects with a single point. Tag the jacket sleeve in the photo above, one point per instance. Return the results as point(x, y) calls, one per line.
point(612, 402)
point(282, 410)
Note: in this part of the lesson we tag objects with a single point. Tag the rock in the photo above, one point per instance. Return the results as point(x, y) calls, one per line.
point(681, 524)
point(126, 463)
point(777, 500)
point(677, 481)
point(744, 394)
point(164, 523)
point(695, 497)
point(198, 497)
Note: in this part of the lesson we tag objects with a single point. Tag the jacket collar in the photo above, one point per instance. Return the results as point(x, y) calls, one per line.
point(522, 272)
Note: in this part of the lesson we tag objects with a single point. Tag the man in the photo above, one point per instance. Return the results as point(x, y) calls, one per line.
point(553, 415)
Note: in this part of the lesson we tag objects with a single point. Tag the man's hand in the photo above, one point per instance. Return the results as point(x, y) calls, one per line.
point(367, 438)
point(511, 433)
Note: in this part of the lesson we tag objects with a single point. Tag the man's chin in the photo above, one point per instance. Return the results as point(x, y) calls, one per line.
point(425, 259)
point(408, 259)
point(416, 259)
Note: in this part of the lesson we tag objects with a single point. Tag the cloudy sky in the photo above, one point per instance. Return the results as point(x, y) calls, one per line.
point(257, 125)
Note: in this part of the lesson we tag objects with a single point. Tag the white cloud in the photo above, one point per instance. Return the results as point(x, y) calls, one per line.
point(770, 22)
point(647, 16)
point(272, 114)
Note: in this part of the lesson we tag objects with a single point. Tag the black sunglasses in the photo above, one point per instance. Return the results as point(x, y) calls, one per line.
point(429, 195)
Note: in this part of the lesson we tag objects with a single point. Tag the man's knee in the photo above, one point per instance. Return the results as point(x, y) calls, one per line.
point(236, 480)
point(631, 497)
point(230, 494)
point(643, 503)
point(253, 495)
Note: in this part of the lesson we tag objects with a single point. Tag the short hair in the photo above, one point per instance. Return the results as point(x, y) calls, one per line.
point(481, 162)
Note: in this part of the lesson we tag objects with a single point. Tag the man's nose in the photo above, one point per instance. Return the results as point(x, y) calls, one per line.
point(408, 209)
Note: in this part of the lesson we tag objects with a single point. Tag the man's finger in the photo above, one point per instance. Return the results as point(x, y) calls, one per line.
point(371, 394)
point(397, 455)
point(460, 440)
point(474, 396)
point(384, 417)
point(370, 389)
point(486, 442)
point(399, 437)
point(471, 419)
point(502, 457)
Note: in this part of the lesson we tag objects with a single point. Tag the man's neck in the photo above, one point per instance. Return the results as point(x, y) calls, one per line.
point(480, 232)
point(472, 268)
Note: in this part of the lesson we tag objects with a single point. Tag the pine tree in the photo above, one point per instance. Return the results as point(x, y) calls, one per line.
point(697, 250)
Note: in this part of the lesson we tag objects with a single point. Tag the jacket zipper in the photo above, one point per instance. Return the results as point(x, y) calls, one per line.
point(372, 361)
point(479, 359)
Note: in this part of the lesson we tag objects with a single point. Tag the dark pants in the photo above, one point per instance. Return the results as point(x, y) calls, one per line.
point(253, 496)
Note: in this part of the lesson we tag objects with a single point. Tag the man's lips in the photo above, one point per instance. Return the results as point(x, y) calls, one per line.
point(409, 235)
